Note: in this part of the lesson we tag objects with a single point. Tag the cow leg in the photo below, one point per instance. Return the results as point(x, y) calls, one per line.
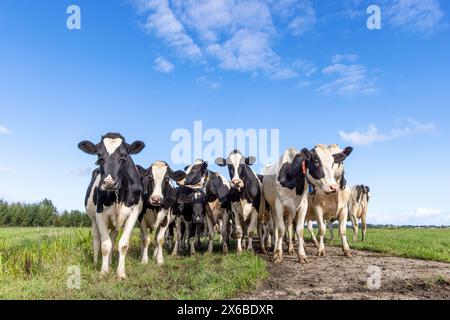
point(224, 230)
point(355, 227)
point(113, 235)
point(211, 232)
point(330, 228)
point(280, 230)
point(301, 215)
point(145, 241)
point(290, 234)
point(106, 245)
point(193, 231)
point(262, 237)
point(343, 230)
point(322, 229)
point(363, 227)
point(252, 228)
point(177, 236)
point(161, 235)
point(239, 233)
point(313, 236)
point(125, 239)
point(95, 240)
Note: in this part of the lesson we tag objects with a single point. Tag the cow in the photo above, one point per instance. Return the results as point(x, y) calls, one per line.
point(217, 190)
point(246, 195)
point(357, 209)
point(285, 188)
point(325, 206)
point(159, 201)
point(113, 199)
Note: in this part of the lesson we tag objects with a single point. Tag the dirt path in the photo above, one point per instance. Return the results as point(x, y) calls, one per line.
point(337, 277)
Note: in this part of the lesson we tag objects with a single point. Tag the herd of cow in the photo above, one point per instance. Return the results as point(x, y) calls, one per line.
point(302, 187)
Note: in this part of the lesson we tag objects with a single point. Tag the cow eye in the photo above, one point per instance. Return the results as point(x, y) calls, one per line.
point(100, 160)
point(317, 162)
point(123, 156)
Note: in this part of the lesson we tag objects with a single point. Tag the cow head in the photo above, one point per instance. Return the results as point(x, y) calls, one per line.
point(198, 206)
point(196, 173)
point(113, 156)
point(156, 181)
point(238, 165)
point(321, 164)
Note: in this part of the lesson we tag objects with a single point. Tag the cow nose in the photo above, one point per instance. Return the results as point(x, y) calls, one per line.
point(333, 187)
point(155, 199)
point(235, 181)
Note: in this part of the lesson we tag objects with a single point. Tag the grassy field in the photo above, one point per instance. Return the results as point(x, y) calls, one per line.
point(34, 262)
point(427, 244)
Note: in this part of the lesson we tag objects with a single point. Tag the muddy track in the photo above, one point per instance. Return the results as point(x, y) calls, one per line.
point(338, 277)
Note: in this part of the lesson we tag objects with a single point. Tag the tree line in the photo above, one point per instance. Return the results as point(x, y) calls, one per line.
point(41, 214)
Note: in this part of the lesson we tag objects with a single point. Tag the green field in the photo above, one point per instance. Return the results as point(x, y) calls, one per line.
point(427, 244)
point(34, 262)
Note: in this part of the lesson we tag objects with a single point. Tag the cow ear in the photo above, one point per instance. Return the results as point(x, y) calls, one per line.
point(347, 151)
point(177, 175)
point(205, 165)
point(87, 147)
point(136, 147)
point(250, 160)
point(306, 154)
point(185, 168)
point(339, 157)
point(221, 162)
point(142, 171)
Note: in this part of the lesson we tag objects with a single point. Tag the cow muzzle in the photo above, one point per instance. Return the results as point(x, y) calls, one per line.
point(109, 184)
point(155, 200)
point(238, 183)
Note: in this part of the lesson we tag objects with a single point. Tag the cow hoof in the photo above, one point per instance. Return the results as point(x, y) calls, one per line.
point(121, 276)
point(144, 261)
point(263, 251)
point(321, 253)
point(349, 254)
point(316, 244)
point(303, 260)
point(291, 252)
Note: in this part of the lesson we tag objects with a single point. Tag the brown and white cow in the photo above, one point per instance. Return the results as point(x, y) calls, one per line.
point(285, 188)
point(325, 206)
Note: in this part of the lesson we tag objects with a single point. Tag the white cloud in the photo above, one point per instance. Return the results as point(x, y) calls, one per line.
point(4, 130)
point(163, 65)
point(347, 79)
point(372, 134)
point(238, 35)
point(305, 67)
point(423, 16)
point(167, 27)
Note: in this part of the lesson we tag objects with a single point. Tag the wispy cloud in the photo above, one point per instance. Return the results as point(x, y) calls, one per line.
point(4, 130)
point(163, 65)
point(423, 16)
point(210, 83)
point(83, 171)
point(235, 35)
point(372, 134)
point(346, 78)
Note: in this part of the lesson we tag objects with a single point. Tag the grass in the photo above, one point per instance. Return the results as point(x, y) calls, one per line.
point(426, 244)
point(34, 263)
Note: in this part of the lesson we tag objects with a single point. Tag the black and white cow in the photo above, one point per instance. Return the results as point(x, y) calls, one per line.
point(217, 190)
point(160, 199)
point(246, 195)
point(113, 198)
point(358, 205)
point(285, 188)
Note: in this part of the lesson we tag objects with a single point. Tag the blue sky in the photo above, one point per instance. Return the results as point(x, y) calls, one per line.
point(311, 69)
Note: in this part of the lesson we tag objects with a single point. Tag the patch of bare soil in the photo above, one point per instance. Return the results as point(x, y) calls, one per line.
point(337, 277)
